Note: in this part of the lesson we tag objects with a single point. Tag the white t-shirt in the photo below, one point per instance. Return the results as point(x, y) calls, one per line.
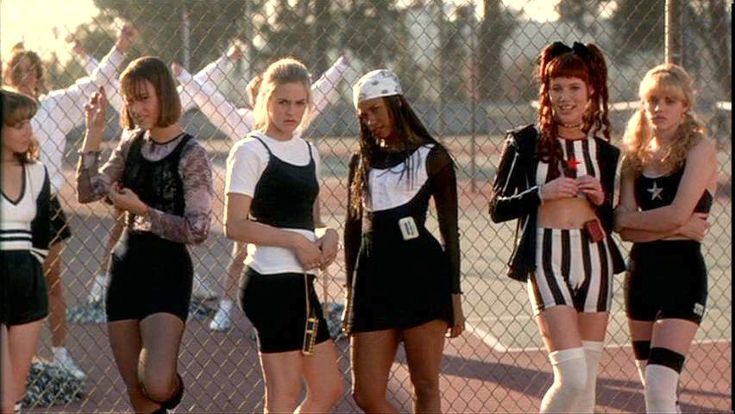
point(246, 162)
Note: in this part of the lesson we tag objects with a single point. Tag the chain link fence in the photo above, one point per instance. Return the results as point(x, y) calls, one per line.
point(467, 67)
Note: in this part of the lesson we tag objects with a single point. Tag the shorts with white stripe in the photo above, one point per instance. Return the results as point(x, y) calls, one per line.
point(570, 270)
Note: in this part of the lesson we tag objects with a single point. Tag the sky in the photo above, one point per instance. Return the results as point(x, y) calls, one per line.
point(32, 21)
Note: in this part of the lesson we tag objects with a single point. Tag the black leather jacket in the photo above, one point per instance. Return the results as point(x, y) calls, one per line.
point(516, 196)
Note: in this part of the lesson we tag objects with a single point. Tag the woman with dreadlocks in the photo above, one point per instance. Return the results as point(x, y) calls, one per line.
point(402, 285)
point(557, 179)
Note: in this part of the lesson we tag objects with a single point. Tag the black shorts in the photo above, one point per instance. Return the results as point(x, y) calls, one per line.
point(666, 279)
point(148, 275)
point(276, 306)
point(59, 225)
point(23, 293)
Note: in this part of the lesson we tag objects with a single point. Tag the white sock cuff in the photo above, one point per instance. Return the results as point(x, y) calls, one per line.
point(226, 304)
point(563, 355)
point(593, 346)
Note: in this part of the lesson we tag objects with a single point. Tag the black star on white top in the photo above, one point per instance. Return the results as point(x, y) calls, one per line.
point(655, 191)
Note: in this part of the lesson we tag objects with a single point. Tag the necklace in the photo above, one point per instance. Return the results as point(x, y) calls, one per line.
point(571, 126)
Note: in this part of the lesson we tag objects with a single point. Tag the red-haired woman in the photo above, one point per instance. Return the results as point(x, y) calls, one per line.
point(557, 179)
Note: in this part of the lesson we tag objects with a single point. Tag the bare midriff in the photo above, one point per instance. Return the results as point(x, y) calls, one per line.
point(565, 213)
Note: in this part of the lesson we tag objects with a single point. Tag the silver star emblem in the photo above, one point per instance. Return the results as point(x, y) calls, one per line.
point(655, 191)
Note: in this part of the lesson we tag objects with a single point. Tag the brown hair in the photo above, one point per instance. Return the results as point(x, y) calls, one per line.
point(155, 71)
point(16, 108)
point(585, 62)
point(12, 75)
point(672, 80)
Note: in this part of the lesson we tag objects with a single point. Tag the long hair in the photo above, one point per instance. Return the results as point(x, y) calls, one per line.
point(155, 71)
point(16, 108)
point(280, 72)
point(12, 75)
point(671, 80)
point(583, 62)
point(408, 126)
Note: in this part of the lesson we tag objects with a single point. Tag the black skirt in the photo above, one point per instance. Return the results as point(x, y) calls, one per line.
point(148, 275)
point(276, 306)
point(400, 284)
point(23, 293)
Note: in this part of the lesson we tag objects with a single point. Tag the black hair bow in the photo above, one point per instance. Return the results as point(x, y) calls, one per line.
point(559, 48)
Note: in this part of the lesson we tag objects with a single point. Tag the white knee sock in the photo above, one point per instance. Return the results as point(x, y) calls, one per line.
point(570, 379)
point(641, 365)
point(661, 383)
point(592, 354)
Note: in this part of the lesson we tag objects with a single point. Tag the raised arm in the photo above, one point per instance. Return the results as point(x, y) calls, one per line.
point(701, 166)
point(213, 74)
point(324, 90)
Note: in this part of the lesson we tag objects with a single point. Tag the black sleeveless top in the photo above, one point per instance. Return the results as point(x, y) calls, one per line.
point(157, 183)
point(285, 193)
point(651, 193)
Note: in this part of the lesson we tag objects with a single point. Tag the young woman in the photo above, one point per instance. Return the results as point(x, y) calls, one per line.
point(557, 179)
point(59, 112)
point(161, 177)
point(668, 181)
point(24, 242)
point(237, 123)
point(402, 286)
point(271, 203)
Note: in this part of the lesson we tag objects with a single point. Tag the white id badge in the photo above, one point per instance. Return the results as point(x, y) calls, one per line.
point(408, 228)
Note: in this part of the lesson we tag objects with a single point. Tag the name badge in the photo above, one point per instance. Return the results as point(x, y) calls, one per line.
point(408, 228)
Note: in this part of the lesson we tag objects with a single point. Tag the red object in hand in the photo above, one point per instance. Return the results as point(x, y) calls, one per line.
point(570, 167)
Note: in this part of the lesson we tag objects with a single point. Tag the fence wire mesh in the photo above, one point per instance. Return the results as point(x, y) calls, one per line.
point(467, 67)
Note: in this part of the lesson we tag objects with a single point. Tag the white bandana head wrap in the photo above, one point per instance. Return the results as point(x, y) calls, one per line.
point(376, 84)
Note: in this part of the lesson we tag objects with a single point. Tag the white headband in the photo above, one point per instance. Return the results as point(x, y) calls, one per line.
point(376, 84)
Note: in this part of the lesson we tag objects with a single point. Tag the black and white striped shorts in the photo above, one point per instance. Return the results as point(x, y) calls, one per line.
point(572, 271)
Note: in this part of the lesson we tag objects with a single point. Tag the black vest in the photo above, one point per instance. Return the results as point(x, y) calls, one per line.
point(157, 183)
point(285, 193)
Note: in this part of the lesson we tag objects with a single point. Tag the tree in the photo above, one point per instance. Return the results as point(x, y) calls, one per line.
point(497, 25)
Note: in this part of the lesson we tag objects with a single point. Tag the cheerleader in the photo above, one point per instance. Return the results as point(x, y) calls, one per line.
point(161, 177)
point(669, 177)
point(558, 179)
point(24, 243)
point(272, 204)
point(402, 285)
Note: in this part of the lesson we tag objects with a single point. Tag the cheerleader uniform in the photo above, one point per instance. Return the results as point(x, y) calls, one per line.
point(667, 279)
point(401, 277)
point(572, 269)
point(151, 269)
point(24, 242)
point(277, 294)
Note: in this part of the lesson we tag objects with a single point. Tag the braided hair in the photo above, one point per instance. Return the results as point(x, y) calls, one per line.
point(579, 61)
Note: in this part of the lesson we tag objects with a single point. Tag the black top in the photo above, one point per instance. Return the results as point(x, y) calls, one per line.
point(441, 184)
point(157, 183)
point(285, 193)
point(651, 193)
point(515, 195)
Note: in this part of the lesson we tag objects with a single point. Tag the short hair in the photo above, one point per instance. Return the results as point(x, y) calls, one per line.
point(155, 71)
point(12, 75)
point(16, 108)
point(280, 72)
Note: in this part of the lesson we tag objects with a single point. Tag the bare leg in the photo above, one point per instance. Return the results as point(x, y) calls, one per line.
point(372, 357)
point(223, 318)
point(282, 373)
point(323, 380)
point(424, 349)
point(22, 343)
point(57, 305)
point(101, 280)
point(161, 335)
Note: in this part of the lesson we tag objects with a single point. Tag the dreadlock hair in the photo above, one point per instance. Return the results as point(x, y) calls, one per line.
point(583, 62)
point(409, 127)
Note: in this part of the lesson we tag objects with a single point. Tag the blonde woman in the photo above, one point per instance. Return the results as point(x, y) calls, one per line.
point(669, 178)
point(272, 203)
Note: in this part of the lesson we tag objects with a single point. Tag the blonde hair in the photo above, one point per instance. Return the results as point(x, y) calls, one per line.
point(12, 75)
point(155, 71)
point(17, 108)
point(280, 72)
point(673, 81)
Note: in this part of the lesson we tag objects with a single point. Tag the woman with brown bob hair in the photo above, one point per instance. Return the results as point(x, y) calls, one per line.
point(557, 179)
point(161, 177)
point(669, 178)
point(24, 242)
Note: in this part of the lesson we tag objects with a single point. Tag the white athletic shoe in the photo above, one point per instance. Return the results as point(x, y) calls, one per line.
point(222, 320)
point(99, 288)
point(63, 360)
point(202, 290)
